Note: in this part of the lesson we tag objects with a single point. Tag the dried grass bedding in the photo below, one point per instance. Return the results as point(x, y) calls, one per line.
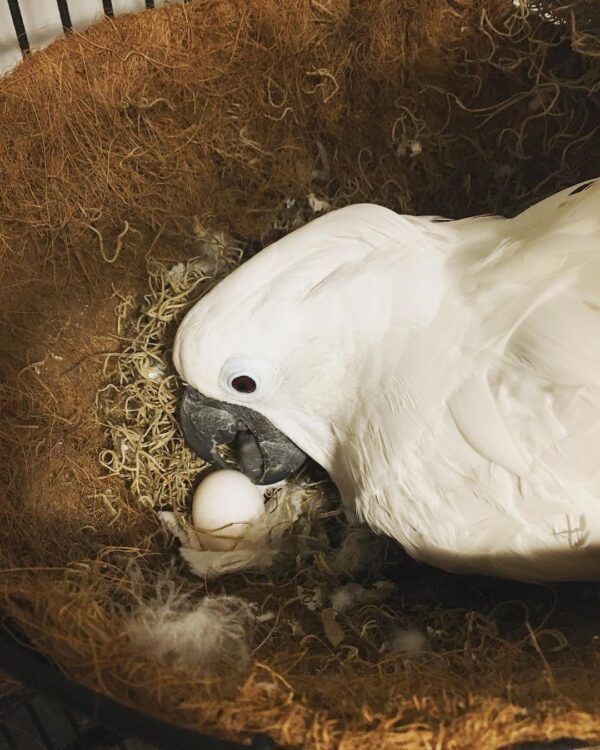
point(141, 161)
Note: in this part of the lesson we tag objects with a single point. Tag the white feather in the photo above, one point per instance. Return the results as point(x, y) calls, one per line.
point(211, 635)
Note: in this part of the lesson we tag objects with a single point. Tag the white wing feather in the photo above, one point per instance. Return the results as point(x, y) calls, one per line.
point(503, 475)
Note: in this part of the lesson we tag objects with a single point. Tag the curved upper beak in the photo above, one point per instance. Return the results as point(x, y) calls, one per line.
point(263, 453)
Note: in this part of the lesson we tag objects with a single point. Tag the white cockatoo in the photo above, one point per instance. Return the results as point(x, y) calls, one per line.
point(445, 373)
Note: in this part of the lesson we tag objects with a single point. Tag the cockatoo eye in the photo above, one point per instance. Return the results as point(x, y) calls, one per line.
point(243, 384)
point(244, 375)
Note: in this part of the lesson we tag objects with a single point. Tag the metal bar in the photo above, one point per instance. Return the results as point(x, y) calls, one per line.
point(6, 738)
point(49, 745)
point(95, 738)
point(108, 8)
point(28, 667)
point(65, 16)
point(17, 19)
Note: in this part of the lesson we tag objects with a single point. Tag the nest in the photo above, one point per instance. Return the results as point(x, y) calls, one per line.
point(125, 148)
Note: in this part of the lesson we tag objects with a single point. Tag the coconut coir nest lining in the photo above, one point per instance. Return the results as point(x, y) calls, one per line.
point(116, 145)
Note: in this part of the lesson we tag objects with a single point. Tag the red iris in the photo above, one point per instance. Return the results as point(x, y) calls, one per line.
point(244, 384)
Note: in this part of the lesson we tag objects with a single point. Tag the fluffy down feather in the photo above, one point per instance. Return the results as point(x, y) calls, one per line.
point(445, 373)
point(211, 635)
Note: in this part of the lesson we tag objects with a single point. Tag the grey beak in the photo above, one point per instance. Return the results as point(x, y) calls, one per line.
point(264, 453)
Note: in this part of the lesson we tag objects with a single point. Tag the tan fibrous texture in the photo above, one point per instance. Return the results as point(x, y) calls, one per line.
point(115, 146)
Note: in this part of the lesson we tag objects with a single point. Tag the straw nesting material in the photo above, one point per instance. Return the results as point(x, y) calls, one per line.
point(117, 144)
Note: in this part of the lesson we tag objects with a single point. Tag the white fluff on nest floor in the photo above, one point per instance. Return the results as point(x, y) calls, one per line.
point(208, 635)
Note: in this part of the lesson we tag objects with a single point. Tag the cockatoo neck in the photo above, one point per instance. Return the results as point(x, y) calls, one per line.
point(379, 330)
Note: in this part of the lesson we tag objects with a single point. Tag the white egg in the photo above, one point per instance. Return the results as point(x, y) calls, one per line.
point(223, 506)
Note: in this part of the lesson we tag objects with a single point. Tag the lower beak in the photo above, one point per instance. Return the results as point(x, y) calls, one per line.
point(263, 453)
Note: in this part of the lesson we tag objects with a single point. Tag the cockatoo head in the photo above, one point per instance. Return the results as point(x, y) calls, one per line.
point(281, 353)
